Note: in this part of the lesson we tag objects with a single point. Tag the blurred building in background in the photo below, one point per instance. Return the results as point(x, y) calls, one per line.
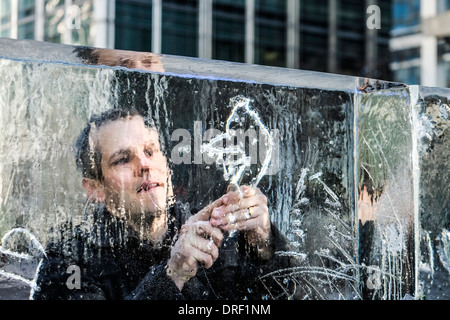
point(410, 44)
point(420, 42)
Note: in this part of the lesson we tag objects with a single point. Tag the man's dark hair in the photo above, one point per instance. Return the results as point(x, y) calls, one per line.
point(88, 55)
point(89, 161)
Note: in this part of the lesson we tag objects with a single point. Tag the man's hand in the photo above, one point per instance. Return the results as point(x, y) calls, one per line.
point(246, 211)
point(201, 236)
point(198, 242)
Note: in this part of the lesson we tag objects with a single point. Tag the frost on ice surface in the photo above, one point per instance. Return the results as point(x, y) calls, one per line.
point(443, 249)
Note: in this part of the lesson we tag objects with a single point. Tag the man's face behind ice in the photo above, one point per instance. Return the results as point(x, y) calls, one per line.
point(135, 171)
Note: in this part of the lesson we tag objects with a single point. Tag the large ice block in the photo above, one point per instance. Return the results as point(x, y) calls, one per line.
point(356, 180)
point(431, 128)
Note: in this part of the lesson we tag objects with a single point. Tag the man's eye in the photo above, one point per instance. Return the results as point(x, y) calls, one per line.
point(148, 62)
point(149, 152)
point(121, 161)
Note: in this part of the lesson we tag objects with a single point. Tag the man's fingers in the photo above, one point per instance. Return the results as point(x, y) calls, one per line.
point(244, 192)
point(248, 191)
point(233, 201)
point(248, 208)
point(204, 258)
point(197, 252)
point(255, 200)
point(236, 216)
point(193, 248)
point(244, 223)
point(206, 246)
point(205, 213)
point(205, 230)
point(201, 236)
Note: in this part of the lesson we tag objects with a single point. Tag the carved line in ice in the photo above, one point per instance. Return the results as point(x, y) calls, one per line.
point(34, 286)
point(13, 276)
point(443, 248)
point(234, 169)
point(33, 239)
point(345, 265)
point(21, 256)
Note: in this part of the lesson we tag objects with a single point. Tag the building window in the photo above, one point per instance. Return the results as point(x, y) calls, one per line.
point(443, 5)
point(406, 66)
point(228, 30)
point(81, 35)
point(54, 20)
point(406, 55)
point(409, 75)
point(26, 31)
point(180, 27)
point(351, 37)
point(314, 35)
point(5, 33)
point(270, 32)
point(25, 8)
point(405, 14)
point(5, 12)
point(133, 25)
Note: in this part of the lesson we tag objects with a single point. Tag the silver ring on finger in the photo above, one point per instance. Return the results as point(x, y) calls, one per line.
point(211, 242)
point(248, 214)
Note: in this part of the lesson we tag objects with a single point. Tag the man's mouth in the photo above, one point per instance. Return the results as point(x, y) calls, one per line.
point(148, 185)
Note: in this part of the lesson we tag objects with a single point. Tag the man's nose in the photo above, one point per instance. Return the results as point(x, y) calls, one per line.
point(144, 162)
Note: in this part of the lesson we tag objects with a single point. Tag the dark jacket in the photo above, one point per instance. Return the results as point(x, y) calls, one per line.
point(115, 264)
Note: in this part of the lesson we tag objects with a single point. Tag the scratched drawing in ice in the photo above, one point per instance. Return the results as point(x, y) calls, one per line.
point(237, 158)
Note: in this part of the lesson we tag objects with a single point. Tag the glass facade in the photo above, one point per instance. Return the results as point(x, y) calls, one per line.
point(314, 35)
point(26, 30)
point(25, 18)
point(228, 38)
point(405, 22)
point(133, 29)
point(405, 15)
point(25, 13)
point(54, 20)
point(81, 28)
point(443, 5)
point(349, 36)
point(407, 62)
point(270, 32)
point(351, 26)
point(180, 32)
point(444, 60)
point(410, 74)
point(383, 57)
point(5, 18)
point(25, 8)
point(307, 37)
point(180, 27)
